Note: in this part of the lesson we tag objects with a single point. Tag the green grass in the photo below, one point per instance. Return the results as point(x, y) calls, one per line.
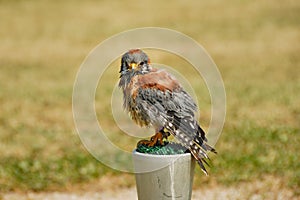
point(48, 174)
point(256, 152)
point(43, 43)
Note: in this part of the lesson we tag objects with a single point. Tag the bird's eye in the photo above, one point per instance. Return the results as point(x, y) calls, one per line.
point(142, 63)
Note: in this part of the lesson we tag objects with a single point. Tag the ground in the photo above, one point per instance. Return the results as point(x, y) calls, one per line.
point(248, 191)
point(267, 188)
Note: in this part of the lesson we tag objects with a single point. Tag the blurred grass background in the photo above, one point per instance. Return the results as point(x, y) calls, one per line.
point(42, 44)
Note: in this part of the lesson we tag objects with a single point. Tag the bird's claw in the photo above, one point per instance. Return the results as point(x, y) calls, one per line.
point(156, 140)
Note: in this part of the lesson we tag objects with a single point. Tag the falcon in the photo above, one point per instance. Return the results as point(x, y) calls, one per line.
point(153, 97)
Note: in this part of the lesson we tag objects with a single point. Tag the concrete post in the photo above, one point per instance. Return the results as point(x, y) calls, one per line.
point(164, 177)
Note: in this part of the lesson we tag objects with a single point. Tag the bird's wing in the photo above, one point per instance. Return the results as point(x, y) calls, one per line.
point(162, 99)
point(161, 92)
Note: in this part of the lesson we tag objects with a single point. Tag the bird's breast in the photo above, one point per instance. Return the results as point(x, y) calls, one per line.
point(132, 107)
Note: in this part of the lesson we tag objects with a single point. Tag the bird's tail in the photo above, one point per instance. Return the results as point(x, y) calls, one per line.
point(199, 149)
point(192, 136)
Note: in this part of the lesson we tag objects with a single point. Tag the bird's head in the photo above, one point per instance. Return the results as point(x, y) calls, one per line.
point(135, 61)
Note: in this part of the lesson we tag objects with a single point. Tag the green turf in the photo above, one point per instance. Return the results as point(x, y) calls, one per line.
point(167, 149)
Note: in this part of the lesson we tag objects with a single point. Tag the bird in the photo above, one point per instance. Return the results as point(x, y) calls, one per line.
point(154, 97)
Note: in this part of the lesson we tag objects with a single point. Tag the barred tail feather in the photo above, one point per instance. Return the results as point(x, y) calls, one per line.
point(201, 140)
point(209, 148)
point(200, 148)
point(201, 133)
point(190, 135)
point(200, 156)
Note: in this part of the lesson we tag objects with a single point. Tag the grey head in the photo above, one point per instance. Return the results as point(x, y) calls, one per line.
point(134, 62)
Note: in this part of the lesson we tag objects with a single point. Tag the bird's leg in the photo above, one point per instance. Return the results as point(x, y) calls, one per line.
point(165, 134)
point(157, 139)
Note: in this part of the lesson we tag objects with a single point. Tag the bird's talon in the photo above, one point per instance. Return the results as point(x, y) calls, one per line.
point(156, 140)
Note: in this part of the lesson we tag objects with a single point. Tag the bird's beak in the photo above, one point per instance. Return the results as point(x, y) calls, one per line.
point(133, 65)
